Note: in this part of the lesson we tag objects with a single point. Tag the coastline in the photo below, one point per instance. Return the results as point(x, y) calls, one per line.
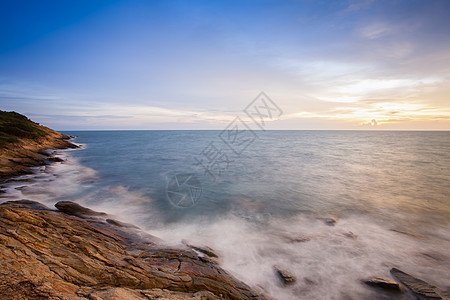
point(108, 224)
point(17, 158)
point(76, 253)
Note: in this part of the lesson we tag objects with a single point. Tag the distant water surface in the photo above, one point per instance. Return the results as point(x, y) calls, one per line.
point(389, 192)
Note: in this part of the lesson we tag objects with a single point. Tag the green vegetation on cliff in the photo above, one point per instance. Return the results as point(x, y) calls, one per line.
point(14, 126)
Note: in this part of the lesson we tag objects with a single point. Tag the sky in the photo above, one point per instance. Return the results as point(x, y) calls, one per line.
point(135, 64)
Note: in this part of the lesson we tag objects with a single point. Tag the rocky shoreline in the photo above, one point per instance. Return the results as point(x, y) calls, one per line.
point(16, 158)
point(73, 252)
point(76, 253)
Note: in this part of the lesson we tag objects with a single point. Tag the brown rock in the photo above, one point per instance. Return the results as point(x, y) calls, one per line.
point(169, 295)
point(47, 254)
point(309, 281)
point(285, 277)
point(420, 288)
point(202, 249)
point(55, 159)
point(330, 221)
point(294, 239)
point(383, 283)
point(121, 224)
point(350, 235)
point(17, 157)
point(75, 209)
point(412, 234)
point(25, 204)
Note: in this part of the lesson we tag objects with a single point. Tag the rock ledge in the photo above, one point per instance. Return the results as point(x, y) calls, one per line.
point(47, 254)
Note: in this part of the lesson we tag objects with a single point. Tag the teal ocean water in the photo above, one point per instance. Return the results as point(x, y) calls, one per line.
point(268, 198)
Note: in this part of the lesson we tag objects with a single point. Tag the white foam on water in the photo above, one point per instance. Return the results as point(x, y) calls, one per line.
point(71, 181)
point(326, 260)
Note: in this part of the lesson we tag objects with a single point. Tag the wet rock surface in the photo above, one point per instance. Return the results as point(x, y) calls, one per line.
point(47, 254)
point(55, 159)
point(384, 283)
point(17, 158)
point(330, 221)
point(350, 235)
point(285, 277)
point(74, 209)
point(202, 249)
point(419, 288)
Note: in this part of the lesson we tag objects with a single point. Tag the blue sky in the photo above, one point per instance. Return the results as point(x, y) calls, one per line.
point(197, 64)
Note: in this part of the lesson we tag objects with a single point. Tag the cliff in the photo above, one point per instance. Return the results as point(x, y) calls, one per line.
point(23, 144)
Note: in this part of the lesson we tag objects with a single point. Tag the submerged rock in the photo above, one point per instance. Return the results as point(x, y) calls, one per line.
point(420, 288)
point(350, 235)
point(46, 254)
point(412, 234)
point(309, 281)
point(383, 283)
point(120, 224)
point(291, 239)
point(75, 209)
point(285, 277)
point(330, 221)
point(55, 159)
point(202, 249)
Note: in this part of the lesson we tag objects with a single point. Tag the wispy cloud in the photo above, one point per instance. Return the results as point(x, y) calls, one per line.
point(329, 65)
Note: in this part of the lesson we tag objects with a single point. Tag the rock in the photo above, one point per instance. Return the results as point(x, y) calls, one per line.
point(416, 235)
point(300, 239)
point(120, 224)
point(285, 277)
point(75, 209)
point(202, 249)
point(19, 180)
point(43, 152)
point(26, 204)
point(129, 294)
point(420, 288)
point(72, 145)
point(293, 239)
point(17, 157)
point(55, 159)
point(169, 295)
point(309, 281)
point(383, 283)
point(434, 256)
point(46, 254)
point(350, 235)
point(116, 293)
point(330, 221)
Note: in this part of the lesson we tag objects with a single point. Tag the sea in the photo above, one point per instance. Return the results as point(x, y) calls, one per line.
point(330, 207)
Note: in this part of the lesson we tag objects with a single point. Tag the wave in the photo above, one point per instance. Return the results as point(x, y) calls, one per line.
point(328, 261)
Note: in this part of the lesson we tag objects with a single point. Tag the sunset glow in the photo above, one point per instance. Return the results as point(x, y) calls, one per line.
point(170, 65)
